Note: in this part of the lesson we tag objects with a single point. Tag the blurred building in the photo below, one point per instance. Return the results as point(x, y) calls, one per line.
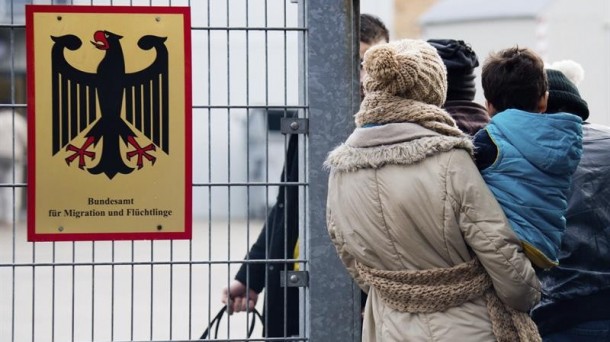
point(556, 29)
point(12, 108)
point(12, 52)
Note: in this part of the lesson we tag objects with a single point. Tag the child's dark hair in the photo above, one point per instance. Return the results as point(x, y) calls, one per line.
point(514, 78)
point(372, 29)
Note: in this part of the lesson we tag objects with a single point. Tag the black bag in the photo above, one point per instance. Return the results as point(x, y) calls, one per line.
point(215, 323)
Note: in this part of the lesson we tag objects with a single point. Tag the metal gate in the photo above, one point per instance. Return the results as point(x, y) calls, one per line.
point(262, 71)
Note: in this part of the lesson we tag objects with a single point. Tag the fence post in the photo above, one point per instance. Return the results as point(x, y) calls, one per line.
point(333, 96)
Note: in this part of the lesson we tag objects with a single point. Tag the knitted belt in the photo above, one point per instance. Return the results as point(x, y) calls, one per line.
point(436, 290)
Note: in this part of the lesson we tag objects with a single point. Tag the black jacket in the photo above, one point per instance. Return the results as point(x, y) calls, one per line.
point(578, 290)
point(277, 240)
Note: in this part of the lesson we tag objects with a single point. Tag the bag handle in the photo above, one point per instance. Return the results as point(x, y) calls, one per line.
point(215, 323)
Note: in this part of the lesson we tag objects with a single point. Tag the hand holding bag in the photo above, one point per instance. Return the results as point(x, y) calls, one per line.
point(215, 323)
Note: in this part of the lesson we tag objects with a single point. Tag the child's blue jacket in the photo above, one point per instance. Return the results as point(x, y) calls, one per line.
point(530, 177)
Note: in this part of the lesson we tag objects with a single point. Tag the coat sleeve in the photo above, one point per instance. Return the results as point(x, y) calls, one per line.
point(487, 232)
point(253, 274)
point(270, 241)
point(337, 239)
point(485, 150)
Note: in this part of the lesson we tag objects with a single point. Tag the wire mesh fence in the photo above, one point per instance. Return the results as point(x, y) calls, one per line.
point(251, 79)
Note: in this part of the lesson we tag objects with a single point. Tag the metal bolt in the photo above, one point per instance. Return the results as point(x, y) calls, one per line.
point(59, 18)
point(294, 125)
point(159, 227)
point(61, 229)
point(293, 278)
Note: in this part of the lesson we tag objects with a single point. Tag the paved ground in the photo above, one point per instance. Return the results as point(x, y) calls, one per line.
point(117, 301)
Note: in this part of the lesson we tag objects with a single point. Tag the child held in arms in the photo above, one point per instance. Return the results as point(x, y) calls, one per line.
point(526, 157)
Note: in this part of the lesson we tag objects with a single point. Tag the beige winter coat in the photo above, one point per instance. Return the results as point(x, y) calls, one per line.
point(402, 197)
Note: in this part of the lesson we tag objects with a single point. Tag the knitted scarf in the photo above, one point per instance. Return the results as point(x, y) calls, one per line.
point(382, 108)
point(436, 290)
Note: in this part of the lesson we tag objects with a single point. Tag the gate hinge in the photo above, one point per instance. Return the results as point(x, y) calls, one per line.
point(294, 126)
point(294, 278)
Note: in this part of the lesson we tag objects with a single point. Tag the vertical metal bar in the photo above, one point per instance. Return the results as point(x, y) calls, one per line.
point(171, 287)
point(73, 291)
point(152, 292)
point(303, 162)
point(13, 190)
point(33, 285)
point(93, 291)
point(13, 283)
point(112, 294)
point(332, 88)
point(228, 33)
point(56, 147)
point(13, 52)
point(284, 188)
point(248, 189)
point(13, 273)
point(131, 314)
point(267, 228)
point(209, 164)
point(13, 289)
point(171, 279)
point(190, 285)
point(190, 266)
point(53, 293)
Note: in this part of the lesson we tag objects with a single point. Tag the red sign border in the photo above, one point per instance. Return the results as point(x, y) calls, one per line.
point(33, 236)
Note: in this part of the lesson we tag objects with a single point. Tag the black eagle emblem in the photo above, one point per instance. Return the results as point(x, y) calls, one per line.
point(76, 95)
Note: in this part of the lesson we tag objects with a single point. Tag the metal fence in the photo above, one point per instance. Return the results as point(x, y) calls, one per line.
point(261, 69)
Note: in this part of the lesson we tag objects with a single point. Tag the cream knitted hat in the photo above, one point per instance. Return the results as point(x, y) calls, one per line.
point(408, 68)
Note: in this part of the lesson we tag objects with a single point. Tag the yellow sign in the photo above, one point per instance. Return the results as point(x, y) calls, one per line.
point(109, 117)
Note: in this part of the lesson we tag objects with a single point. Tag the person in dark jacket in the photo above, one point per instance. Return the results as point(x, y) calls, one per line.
point(576, 293)
point(279, 237)
point(460, 60)
point(372, 32)
point(276, 240)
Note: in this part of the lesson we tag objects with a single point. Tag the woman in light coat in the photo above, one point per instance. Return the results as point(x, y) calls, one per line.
point(414, 222)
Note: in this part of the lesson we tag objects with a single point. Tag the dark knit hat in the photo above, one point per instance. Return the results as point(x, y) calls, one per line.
point(460, 60)
point(564, 96)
